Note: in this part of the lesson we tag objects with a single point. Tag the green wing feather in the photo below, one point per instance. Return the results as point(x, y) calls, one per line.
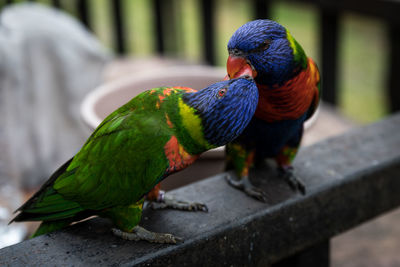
point(120, 162)
point(47, 204)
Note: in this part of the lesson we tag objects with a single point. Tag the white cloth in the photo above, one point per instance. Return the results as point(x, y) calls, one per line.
point(48, 62)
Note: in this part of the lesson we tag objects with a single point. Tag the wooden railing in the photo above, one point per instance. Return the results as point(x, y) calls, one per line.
point(349, 179)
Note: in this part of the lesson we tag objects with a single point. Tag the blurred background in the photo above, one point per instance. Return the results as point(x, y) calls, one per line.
point(363, 49)
point(363, 44)
point(58, 51)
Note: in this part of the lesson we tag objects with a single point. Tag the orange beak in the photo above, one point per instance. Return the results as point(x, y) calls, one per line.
point(238, 66)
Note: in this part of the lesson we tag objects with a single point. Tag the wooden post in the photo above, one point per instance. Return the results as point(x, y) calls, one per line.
point(208, 23)
point(394, 68)
point(165, 28)
point(261, 9)
point(329, 48)
point(83, 12)
point(119, 36)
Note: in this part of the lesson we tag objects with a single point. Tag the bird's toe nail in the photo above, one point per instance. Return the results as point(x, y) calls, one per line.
point(178, 239)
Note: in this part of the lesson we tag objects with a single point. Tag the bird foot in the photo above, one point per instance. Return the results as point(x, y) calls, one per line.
point(168, 202)
point(139, 233)
point(287, 173)
point(246, 186)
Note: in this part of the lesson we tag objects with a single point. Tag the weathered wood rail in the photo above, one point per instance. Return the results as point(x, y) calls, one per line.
point(350, 179)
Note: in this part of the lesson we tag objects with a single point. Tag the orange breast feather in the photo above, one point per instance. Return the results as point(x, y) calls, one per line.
point(292, 99)
point(177, 156)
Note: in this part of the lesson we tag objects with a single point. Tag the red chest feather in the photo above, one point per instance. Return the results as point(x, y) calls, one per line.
point(177, 156)
point(292, 99)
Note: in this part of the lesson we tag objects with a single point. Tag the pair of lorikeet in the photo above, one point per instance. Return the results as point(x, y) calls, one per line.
point(258, 112)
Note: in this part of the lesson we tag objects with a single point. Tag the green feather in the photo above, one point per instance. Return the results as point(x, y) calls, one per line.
point(111, 170)
point(134, 148)
point(298, 52)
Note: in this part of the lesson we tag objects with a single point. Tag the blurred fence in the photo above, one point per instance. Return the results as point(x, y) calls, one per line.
point(163, 12)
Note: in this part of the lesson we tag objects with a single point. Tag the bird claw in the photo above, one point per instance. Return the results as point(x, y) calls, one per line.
point(139, 233)
point(294, 182)
point(245, 185)
point(256, 193)
point(234, 182)
point(170, 202)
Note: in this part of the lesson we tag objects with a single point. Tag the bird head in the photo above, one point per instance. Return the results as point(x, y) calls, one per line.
point(225, 108)
point(265, 50)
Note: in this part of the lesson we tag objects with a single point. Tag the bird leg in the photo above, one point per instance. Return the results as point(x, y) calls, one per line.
point(158, 199)
point(126, 218)
point(139, 233)
point(287, 173)
point(241, 160)
point(244, 184)
point(285, 168)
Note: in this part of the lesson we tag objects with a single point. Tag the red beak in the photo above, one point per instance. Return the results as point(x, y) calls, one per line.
point(238, 66)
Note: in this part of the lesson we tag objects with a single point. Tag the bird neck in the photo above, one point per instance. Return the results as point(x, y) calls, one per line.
point(299, 57)
point(290, 100)
point(187, 123)
point(192, 122)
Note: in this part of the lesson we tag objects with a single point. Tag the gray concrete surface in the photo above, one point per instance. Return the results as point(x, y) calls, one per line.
point(350, 179)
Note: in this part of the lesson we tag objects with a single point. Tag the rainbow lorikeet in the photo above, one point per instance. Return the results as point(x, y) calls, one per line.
point(289, 90)
point(157, 133)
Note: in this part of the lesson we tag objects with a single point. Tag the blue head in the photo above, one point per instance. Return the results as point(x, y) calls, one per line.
point(225, 108)
point(268, 48)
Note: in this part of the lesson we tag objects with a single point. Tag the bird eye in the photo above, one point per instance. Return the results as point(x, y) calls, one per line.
point(221, 92)
point(265, 44)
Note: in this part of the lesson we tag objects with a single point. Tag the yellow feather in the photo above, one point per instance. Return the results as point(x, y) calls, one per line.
point(192, 124)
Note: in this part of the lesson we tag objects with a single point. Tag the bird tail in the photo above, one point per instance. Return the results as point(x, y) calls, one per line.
point(48, 205)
